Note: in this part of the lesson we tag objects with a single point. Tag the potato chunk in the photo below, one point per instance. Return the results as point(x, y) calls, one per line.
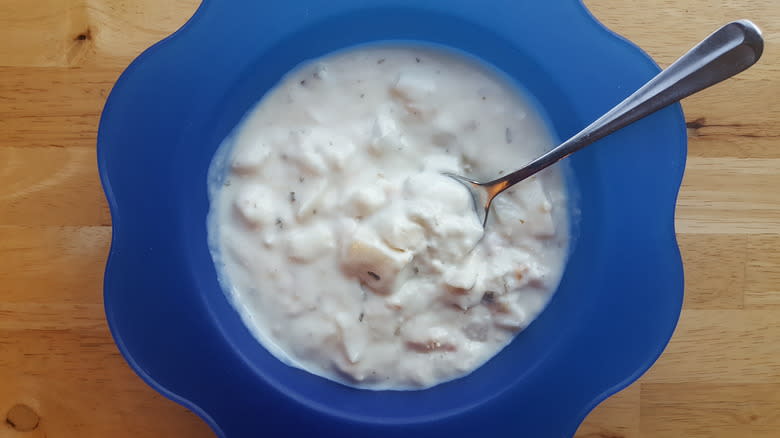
point(307, 244)
point(366, 200)
point(374, 263)
point(385, 134)
point(255, 204)
point(425, 335)
point(400, 233)
point(413, 87)
point(251, 158)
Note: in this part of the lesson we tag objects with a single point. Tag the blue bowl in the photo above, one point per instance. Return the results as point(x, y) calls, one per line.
point(616, 306)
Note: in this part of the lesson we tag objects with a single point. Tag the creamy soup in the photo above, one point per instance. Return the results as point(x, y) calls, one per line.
point(346, 250)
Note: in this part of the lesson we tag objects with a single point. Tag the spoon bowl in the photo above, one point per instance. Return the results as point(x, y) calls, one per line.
point(727, 51)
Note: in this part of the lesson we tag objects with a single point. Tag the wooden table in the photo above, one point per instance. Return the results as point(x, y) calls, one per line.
point(62, 376)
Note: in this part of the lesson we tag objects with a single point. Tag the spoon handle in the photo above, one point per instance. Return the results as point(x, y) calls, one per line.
point(728, 51)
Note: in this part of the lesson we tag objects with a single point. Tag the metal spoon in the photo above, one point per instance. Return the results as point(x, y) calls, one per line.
point(728, 51)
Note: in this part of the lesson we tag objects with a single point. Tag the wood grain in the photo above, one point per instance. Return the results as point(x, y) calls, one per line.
point(52, 266)
point(710, 409)
point(729, 195)
point(762, 272)
point(719, 377)
point(51, 186)
point(715, 267)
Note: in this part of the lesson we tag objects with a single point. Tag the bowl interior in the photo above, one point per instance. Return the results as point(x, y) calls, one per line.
point(528, 349)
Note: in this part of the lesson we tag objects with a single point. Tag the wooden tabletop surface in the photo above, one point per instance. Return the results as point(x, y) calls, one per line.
point(62, 376)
